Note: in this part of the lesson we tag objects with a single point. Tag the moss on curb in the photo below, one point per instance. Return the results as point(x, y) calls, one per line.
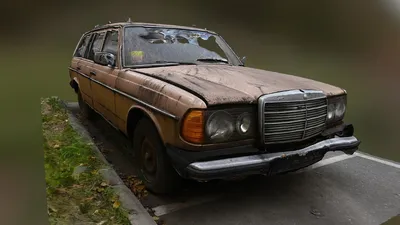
point(74, 198)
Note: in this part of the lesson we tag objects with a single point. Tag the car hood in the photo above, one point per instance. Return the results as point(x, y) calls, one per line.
point(221, 84)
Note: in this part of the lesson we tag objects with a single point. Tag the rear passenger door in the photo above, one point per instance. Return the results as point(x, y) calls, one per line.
point(104, 77)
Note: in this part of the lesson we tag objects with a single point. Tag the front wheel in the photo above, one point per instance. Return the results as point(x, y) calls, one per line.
point(155, 166)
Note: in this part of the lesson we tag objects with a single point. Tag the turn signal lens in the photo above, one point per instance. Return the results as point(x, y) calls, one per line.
point(193, 127)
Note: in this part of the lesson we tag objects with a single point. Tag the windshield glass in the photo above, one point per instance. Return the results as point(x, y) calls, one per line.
point(156, 45)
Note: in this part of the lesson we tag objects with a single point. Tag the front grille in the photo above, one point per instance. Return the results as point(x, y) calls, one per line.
point(290, 121)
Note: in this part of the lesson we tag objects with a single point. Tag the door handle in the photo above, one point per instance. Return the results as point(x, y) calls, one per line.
point(93, 73)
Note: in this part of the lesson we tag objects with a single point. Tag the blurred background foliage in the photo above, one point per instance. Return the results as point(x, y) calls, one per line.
point(353, 44)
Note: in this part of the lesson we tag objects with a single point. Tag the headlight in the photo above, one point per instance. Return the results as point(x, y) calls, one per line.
point(219, 126)
point(206, 126)
point(243, 123)
point(340, 109)
point(336, 108)
point(331, 112)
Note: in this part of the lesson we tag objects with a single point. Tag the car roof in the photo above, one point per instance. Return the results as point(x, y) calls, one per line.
point(140, 24)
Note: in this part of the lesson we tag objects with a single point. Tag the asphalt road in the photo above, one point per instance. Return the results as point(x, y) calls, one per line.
point(340, 189)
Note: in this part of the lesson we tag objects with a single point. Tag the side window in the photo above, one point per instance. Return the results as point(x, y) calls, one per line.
point(111, 42)
point(80, 51)
point(97, 45)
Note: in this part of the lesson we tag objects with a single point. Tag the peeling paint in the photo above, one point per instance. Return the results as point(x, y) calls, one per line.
point(222, 84)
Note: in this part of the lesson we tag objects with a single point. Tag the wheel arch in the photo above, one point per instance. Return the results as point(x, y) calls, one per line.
point(135, 114)
point(74, 83)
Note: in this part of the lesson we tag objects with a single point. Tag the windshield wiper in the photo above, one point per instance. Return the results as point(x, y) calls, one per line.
point(213, 60)
point(173, 62)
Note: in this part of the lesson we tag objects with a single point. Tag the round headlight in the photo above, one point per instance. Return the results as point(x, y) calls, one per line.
point(331, 112)
point(220, 126)
point(243, 123)
point(340, 109)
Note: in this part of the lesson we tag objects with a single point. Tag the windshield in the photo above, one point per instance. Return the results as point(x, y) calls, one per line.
point(155, 45)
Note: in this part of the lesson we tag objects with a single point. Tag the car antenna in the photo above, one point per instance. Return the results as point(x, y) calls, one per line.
point(129, 20)
point(109, 22)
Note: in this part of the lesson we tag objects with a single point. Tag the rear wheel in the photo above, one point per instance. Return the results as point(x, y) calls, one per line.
point(155, 166)
point(85, 109)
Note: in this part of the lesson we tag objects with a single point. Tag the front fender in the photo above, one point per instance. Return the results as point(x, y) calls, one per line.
point(155, 119)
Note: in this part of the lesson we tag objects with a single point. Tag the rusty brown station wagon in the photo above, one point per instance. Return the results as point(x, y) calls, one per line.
point(194, 111)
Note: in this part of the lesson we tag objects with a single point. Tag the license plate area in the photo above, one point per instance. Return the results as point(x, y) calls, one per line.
point(294, 162)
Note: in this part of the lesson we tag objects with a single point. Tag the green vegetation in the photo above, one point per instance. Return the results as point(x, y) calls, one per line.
point(74, 197)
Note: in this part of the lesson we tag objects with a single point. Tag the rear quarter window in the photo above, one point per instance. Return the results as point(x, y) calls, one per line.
point(82, 47)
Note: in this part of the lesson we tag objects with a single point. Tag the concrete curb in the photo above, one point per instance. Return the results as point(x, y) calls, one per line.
point(137, 214)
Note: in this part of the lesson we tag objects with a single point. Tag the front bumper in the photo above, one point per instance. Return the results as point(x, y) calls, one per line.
point(266, 163)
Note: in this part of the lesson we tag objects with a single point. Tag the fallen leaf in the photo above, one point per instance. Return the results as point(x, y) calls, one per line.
point(99, 189)
point(103, 184)
point(56, 146)
point(116, 204)
point(140, 188)
point(51, 208)
point(114, 198)
point(156, 218)
point(102, 222)
point(61, 190)
point(76, 186)
point(88, 199)
point(137, 182)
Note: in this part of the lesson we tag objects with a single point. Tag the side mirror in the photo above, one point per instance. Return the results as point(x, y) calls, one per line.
point(243, 59)
point(105, 59)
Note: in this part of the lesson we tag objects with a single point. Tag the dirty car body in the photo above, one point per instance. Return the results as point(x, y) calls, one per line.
point(214, 117)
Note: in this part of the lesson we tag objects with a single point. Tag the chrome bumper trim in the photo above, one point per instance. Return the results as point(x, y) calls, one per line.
point(334, 144)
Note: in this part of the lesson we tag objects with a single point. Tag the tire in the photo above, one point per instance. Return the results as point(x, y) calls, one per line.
point(85, 109)
point(155, 168)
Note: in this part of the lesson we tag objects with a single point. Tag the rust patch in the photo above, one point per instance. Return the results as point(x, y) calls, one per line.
point(221, 84)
